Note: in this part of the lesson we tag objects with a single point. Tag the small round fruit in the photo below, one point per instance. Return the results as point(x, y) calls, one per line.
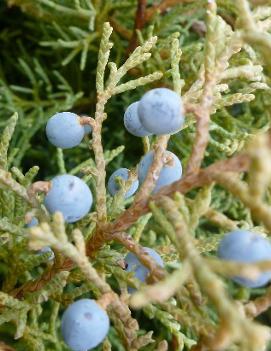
point(132, 122)
point(170, 173)
point(64, 130)
point(246, 247)
point(84, 325)
point(34, 221)
point(87, 129)
point(140, 271)
point(70, 195)
point(161, 111)
point(113, 186)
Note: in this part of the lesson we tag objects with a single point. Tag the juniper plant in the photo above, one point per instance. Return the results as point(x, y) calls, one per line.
point(95, 59)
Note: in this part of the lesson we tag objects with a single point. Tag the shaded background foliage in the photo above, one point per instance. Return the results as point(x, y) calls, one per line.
point(41, 72)
point(38, 80)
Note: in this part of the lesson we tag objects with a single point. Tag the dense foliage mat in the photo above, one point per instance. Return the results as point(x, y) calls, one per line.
point(145, 256)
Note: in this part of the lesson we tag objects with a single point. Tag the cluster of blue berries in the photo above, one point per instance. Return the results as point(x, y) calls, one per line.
point(170, 173)
point(246, 247)
point(159, 111)
point(68, 194)
point(84, 323)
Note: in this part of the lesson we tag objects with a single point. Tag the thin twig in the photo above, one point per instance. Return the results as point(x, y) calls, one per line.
point(154, 170)
point(205, 176)
point(86, 120)
point(237, 164)
point(204, 110)
point(127, 241)
point(5, 347)
point(145, 15)
point(162, 7)
point(139, 24)
point(233, 325)
point(39, 186)
point(259, 305)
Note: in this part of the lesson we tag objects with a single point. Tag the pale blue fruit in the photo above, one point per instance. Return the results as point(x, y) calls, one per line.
point(132, 122)
point(140, 271)
point(170, 173)
point(84, 325)
point(87, 128)
point(64, 130)
point(246, 247)
point(34, 221)
point(161, 111)
point(70, 195)
point(113, 186)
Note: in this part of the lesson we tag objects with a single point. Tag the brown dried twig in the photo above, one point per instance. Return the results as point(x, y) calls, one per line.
point(37, 284)
point(259, 305)
point(101, 235)
point(205, 176)
point(162, 7)
point(145, 15)
point(118, 28)
point(86, 120)
point(37, 187)
point(139, 24)
point(5, 347)
point(239, 163)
